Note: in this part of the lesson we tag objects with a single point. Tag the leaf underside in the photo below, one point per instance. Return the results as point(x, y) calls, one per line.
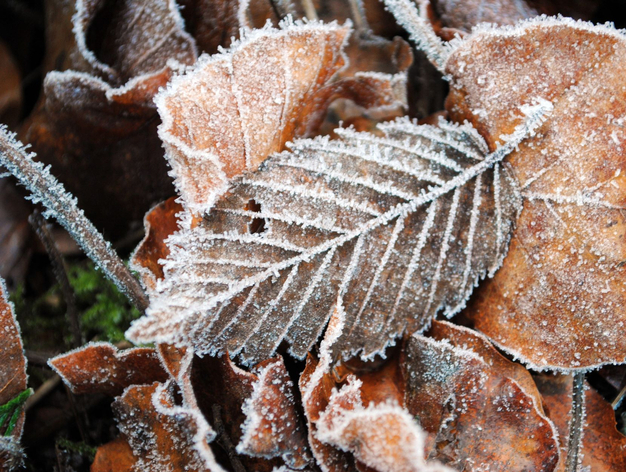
point(393, 228)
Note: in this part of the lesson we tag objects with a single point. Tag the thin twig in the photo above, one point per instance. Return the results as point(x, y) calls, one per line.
point(45, 388)
point(576, 423)
point(38, 358)
point(309, 9)
point(58, 267)
point(60, 204)
point(618, 399)
point(358, 16)
point(224, 440)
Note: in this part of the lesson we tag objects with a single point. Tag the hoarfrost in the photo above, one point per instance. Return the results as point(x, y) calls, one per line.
point(272, 427)
point(395, 228)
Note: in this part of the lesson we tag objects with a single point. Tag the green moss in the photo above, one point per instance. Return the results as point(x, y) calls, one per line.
point(106, 312)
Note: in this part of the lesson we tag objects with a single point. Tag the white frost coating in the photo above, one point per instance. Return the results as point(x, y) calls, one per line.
point(384, 436)
point(63, 206)
point(421, 31)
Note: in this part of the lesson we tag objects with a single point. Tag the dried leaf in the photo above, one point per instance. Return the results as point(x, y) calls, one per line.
point(101, 368)
point(211, 23)
point(272, 427)
point(115, 456)
point(98, 119)
point(392, 226)
point(385, 437)
point(125, 40)
point(465, 15)
point(247, 102)
point(13, 390)
point(159, 223)
point(603, 447)
point(476, 416)
point(558, 301)
point(162, 435)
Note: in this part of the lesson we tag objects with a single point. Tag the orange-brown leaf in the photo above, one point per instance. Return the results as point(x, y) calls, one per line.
point(101, 368)
point(476, 416)
point(558, 301)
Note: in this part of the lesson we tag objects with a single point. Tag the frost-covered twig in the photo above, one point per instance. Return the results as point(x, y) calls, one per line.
point(421, 32)
point(576, 423)
point(60, 204)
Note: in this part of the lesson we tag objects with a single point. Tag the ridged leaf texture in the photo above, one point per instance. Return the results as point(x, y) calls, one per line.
point(385, 230)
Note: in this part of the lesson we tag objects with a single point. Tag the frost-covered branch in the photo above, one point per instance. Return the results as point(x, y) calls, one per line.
point(63, 206)
point(421, 32)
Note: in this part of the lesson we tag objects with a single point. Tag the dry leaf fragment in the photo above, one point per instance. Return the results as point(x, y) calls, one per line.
point(13, 390)
point(476, 416)
point(102, 368)
point(383, 436)
point(159, 223)
point(392, 226)
point(558, 301)
point(98, 118)
point(603, 447)
point(162, 435)
point(272, 427)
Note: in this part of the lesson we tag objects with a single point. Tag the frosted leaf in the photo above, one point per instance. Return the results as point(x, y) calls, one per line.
point(559, 300)
point(13, 379)
point(394, 228)
point(102, 368)
point(162, 435)
point(383, 436)
point(140, 38)
point(476, 417)
point(465, 15)
point(272, 427)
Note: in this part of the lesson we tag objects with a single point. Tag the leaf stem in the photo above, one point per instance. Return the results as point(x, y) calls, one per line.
point(60, 204)
point(576, 423)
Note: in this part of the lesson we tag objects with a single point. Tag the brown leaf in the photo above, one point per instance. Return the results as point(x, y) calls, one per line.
point(246, 101)
point(12, 383)
point(465, 15)
point(558, 301)
point(355, 414)
point(101, 368)
point(98, 118)
point(476, 416)
point(272, 427)
point(603, 447)
point(211, 23)
point(159, 223)
point(231, 398)
point(115, 456)
point(161, 434)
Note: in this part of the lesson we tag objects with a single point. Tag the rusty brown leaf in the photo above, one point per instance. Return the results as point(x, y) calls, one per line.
point(558, 301)
point(12, 384)
point(102, 368)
